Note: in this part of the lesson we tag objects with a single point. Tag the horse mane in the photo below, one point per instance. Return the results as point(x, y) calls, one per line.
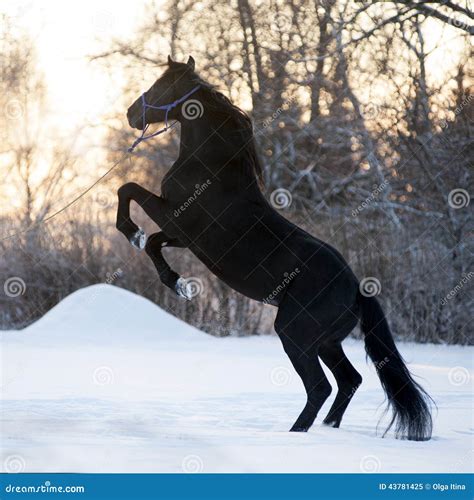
point(220, 104)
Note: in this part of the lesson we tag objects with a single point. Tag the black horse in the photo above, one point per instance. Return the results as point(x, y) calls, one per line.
point(211, 203)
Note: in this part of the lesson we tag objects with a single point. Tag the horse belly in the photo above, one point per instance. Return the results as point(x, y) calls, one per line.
point(251, 268)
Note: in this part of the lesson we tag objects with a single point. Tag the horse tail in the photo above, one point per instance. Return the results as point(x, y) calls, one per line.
point(410, 404)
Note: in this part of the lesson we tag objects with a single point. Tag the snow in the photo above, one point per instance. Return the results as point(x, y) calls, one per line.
point(109, 382)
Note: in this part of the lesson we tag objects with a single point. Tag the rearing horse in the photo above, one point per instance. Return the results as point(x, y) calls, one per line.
point(211, 204)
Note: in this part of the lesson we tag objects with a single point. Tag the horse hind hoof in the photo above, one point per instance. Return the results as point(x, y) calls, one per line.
point(138, 240)
point(299, 428)
point(331, 423)
point(182, 290)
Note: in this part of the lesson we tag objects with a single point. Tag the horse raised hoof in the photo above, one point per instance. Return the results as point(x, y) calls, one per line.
point(182, 290)
point(138, 240)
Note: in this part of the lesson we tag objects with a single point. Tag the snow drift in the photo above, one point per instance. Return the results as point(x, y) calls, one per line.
point(109, 382)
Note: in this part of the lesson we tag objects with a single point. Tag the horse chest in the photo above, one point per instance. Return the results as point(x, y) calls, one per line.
point(179, 189)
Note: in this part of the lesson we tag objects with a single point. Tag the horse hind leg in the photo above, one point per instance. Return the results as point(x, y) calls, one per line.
point(318, 389)
point(347, 377)
point(308, 367)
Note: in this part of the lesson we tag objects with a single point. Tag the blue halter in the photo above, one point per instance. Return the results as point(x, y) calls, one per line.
point(165, 107)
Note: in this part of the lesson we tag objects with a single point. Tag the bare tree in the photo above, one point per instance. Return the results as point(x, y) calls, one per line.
point(371, 149)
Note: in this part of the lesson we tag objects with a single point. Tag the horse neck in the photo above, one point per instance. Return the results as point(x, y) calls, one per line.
point(202, 139)
point(193, 133)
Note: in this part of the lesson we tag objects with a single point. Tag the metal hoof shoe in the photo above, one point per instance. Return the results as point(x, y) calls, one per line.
point(181, 289)
point(138, 240)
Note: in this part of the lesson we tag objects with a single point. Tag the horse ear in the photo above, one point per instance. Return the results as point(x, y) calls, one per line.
point(191, 63)
point(170, 61)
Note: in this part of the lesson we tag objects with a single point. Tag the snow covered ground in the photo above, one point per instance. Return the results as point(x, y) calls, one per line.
point(109, 382)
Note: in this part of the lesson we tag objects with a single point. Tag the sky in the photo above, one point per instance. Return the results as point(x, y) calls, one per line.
point(65, 33)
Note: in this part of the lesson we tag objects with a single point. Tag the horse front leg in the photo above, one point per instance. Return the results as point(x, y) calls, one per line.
point(156, 207)
point(158, 210)
point(134, 234)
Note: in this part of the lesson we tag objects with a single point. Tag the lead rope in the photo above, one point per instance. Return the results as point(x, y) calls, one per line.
point(77, 198)
point(145, 106)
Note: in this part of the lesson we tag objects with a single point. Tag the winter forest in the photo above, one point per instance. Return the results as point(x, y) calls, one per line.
point(363, 118)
